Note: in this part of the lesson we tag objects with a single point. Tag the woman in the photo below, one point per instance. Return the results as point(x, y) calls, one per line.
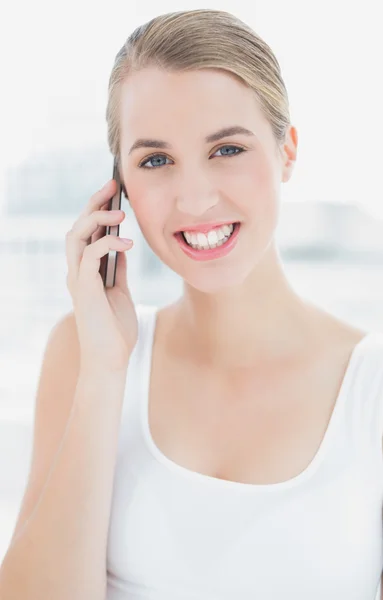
point(228, 445)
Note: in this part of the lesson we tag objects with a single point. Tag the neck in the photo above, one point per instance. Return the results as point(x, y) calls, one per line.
point(263, 318)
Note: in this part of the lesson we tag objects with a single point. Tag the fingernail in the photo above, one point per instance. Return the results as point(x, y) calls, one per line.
point(126, 241)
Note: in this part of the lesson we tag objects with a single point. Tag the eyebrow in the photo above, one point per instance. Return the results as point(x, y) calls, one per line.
point(213, 137)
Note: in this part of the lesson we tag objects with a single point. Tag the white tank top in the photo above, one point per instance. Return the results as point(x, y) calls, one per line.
point(176, 534)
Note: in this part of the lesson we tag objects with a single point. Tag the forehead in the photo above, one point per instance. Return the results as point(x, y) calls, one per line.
point(205, 99)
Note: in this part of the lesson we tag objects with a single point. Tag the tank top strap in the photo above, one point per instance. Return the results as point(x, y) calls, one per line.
point(137, 371)
point(364, 406)
point(146, 317)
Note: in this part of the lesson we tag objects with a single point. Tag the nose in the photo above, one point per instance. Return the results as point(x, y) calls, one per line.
point(195, 195)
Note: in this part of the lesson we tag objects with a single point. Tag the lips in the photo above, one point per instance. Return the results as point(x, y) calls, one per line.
point(212, 253)
point(204, 227)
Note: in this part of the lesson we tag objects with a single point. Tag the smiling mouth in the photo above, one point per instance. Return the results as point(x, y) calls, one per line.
point(206, 243)
point(211, 248)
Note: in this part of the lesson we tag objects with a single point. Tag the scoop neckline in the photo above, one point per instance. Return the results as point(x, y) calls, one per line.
point(196, 476)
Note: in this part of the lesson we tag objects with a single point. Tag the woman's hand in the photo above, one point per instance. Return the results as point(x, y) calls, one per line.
point(106, 318)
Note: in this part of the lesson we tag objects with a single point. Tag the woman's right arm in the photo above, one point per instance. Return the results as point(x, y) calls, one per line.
point(59, 551)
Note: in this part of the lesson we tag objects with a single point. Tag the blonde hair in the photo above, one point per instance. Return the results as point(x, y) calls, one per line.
point(201, 39)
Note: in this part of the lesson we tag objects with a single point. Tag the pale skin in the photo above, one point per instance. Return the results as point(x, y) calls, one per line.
point(245, 373)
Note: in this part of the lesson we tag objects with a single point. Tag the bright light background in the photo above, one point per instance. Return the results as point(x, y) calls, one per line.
point(56, 60)
point(55, 63)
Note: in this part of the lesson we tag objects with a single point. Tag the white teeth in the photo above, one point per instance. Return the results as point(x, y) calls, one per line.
point(213, 239)
point(201, 239)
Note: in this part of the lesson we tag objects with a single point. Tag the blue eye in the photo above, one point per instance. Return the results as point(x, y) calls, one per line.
point(159, 157)
point(155, 157)
point(230, 148)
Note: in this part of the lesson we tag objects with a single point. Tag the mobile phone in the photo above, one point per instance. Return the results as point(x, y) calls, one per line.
point(108, 263)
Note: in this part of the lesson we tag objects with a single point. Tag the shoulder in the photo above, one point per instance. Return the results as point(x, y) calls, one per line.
point(372, 344)
point(344, 338)
point(358, 351)
point(367, 369)
point(367, 350)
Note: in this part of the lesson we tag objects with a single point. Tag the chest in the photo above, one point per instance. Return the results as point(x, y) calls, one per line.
point(258, 426)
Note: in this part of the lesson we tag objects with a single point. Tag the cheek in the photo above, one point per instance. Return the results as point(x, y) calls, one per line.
point(252, 188)
point(150, 206)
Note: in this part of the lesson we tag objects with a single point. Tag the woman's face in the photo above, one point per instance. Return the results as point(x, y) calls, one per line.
point(181, 180)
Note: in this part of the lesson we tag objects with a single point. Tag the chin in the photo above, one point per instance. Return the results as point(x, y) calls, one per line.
point(214, 283)
point(208, 280)
point(212, 276)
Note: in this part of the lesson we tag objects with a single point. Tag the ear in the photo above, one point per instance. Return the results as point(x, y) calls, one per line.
point(289, 153)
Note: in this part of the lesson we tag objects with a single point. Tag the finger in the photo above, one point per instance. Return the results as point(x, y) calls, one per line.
point(90, 262)
point(99, 233)
point(101, 229)
point(79, 237)
point(85, 227)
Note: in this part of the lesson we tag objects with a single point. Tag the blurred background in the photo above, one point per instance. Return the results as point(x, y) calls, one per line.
point(55, 61)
